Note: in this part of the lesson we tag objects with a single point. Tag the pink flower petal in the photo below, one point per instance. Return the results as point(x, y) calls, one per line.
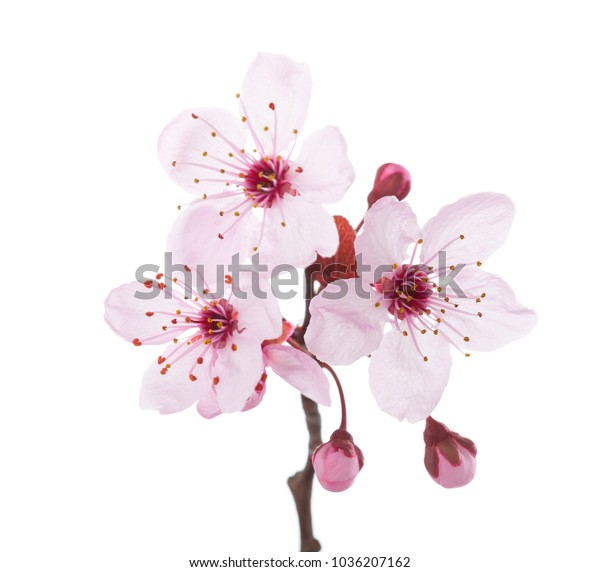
point(260, 316)
point(236, 373)
point(308, 229)
point(194, 240)
point(128, 315)
point(503, 319)
point(390, 227)
point(325, 171)
point(299, 370)
point(404, 385)
point(208, 403)
point(275, 94)
point(174, 391)
point(354, 320)
point(483, 220)
point(256, 396)
point(184, 141)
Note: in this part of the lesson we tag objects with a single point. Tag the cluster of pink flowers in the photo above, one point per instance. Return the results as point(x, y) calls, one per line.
point(401, 294)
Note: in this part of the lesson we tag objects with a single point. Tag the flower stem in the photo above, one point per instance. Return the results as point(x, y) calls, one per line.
point(340, 391)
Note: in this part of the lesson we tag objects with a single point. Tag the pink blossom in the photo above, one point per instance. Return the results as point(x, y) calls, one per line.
point(254, 192)
point(337, 462)
point(449, 457)
point(410, 364)
point(217, 353)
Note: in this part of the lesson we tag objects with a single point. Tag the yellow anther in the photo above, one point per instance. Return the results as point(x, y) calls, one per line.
point(205, 154)
point(467, 338)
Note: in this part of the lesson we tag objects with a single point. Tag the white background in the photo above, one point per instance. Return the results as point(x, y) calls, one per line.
point(470, 97)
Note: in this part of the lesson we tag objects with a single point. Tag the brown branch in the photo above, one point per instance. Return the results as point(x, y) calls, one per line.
point(301, 483)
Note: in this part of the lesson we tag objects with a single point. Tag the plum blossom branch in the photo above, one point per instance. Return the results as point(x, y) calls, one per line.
point(300, 483)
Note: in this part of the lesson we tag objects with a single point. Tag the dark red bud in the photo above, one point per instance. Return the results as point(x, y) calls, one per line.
point(449, 457)
point(391, 180)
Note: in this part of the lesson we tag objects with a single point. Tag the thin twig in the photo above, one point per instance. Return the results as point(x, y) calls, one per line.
point(301, 483)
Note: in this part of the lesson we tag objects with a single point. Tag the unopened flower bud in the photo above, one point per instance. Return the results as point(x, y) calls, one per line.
point(337, 462)
point(391, 180)
point(449, 457)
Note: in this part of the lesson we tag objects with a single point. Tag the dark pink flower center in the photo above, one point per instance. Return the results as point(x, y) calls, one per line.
point(266, 181)
point(216, 322)
point(406, 290)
